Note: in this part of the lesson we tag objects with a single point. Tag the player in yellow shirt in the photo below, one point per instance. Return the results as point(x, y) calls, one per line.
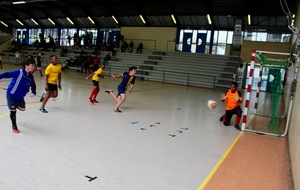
point(52, 82)
point(233, 97)
point(96, 78)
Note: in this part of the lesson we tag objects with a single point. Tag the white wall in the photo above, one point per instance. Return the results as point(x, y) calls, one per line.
point(294, 131)
point(153, 38)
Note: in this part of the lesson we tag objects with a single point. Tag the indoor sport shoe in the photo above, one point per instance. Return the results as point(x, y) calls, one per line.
point(95, 101)
point(42, 98)
point(90, 99)
point(221, 118)
point(15, 130)
point(43, 110)
point(108, 91)
point(237, 127)
point(117, 110)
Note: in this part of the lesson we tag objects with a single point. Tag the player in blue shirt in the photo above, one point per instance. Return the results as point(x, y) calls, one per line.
point(128, 80)
point(22, 80)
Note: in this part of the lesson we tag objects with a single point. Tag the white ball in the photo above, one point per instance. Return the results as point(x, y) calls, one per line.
point(211, 104)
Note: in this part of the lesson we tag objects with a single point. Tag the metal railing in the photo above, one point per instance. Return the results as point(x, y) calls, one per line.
point(188, 79)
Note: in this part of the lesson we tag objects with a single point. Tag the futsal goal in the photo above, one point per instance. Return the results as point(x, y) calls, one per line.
point(269, 92)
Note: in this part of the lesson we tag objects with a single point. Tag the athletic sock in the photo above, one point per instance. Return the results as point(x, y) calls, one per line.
point(93, 93)
point(13, 118)
point(237, 120)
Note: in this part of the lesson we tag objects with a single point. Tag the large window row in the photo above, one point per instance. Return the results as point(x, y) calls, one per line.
point(67, 36)
point(201, 41)
point(195, 41)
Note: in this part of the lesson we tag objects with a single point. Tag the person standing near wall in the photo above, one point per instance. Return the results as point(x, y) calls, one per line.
point(140, 48)
point(130, 48)
point(38, 60)
point(17, 56)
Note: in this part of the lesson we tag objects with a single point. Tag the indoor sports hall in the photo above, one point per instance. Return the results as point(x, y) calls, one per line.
point(165, 138)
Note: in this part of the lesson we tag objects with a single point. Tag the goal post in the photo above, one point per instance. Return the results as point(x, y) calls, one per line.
point(265, 109)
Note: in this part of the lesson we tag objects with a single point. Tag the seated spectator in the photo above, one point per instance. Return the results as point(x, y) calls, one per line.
point(140, 48)
point(63, 51)
point(124, 46)
point(106, 58)
point(71, 62)
point(64, 65)
point(130, 48)
point(96, 51)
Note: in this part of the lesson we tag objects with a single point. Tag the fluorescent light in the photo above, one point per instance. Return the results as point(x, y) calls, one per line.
point(19, 22)
point(18, 2)
point(51, 21)
point(91, 20)
point(34, 21)
point(142, 19)
point(208, 18)
point(70, 20)
point(3, 23)
point(173, 18)
point(249, 19)
point(114, 19)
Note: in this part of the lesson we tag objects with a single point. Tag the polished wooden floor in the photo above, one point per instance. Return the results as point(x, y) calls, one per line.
point(165, 139)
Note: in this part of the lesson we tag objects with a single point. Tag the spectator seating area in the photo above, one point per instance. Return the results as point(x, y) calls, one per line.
point(203, 70)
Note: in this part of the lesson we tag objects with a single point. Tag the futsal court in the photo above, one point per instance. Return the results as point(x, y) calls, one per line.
point(166, 138)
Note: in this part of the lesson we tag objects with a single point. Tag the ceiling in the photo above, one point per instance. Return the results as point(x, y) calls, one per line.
point(265, 14)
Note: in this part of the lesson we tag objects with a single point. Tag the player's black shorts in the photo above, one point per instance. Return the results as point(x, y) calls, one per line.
point(52, 87)
point(95, 83)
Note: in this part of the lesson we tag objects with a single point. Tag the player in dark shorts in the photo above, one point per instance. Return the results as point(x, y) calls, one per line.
point(128, 80)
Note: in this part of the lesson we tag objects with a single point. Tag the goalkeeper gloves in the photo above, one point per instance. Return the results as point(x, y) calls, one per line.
point(237, 98)
point(223, 96)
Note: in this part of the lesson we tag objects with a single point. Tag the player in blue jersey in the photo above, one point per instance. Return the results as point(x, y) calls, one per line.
point(128, 80)
point(22, 80)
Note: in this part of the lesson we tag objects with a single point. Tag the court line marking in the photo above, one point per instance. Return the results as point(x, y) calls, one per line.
point(213, 171)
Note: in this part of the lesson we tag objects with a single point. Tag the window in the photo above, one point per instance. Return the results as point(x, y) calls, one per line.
point(65, 34)
point(34, 35)
point(53, 32)
point(266, 37)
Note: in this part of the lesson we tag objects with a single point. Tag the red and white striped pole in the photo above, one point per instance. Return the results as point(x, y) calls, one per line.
point(247, 99)
point(258, 87)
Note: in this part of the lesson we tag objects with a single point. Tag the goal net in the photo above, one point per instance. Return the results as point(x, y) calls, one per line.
point(269, 102)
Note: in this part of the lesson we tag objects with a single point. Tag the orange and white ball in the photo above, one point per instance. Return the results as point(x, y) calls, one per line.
point(211, 104)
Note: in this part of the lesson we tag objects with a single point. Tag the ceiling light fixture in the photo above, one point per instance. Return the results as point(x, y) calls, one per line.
point(114, 19)
point(51, 21)
point(3, 23)
point(249, 19)
point(34, 22)
point(18, 2)
point(19, 22)
point(142, 19)
point(91, 20)
point(173, 18)
point(208, 18)
point(70, 21)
